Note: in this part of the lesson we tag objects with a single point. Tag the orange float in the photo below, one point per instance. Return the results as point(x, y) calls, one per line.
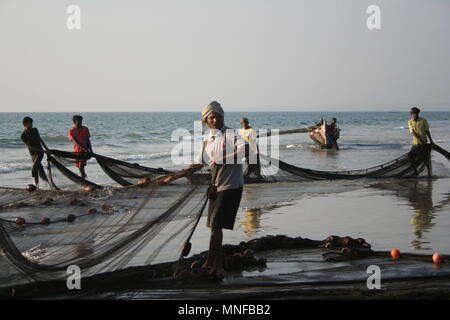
point(438, 258)
point(395, 254)
point(89, 189)
point(143, 180)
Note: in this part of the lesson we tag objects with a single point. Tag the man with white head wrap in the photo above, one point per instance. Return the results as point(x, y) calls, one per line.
point(223, 150)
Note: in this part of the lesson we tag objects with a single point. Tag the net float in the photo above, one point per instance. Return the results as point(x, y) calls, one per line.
point(143, 180)
point(45, 220)
point(20, 220)
point(30, 188)
point(89, 189)
point(438, 258)
point(395, 254)
point(328, 245)
point(73, 201)
point(70, 218)
point(92, 210)
point(249, 253)
point(106, 207)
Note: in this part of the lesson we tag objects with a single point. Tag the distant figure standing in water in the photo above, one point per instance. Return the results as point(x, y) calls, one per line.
point(420, 130)
point(333, 133)
point(30, 136)
point(80, 135)
point(251, 148)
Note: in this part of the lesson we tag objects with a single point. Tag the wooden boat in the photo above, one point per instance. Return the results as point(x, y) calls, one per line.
point(320, 136)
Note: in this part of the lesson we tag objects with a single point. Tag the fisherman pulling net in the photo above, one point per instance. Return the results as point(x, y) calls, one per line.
point(411, 164)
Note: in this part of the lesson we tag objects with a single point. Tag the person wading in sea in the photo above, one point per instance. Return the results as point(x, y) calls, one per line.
point(223, 150)
point(80, 135)
point(420, 130)
point(251, 148)
point(30, 136)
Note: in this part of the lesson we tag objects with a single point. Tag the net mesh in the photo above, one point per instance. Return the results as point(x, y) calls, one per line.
point(102, 231)
point(411, 164)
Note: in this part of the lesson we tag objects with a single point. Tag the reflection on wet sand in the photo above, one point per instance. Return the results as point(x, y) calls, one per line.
point(252, 221)
point(419, 194)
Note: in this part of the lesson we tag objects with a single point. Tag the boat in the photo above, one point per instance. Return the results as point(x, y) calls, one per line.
point(321, 136)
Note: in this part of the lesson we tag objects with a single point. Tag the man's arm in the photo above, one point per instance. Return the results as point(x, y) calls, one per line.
point(429, 136)
point(42, 141)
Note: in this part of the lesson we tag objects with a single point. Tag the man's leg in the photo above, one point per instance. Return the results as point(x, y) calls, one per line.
point(82, 172)
point(40, 168)
point(34, 169)
point(215, 243)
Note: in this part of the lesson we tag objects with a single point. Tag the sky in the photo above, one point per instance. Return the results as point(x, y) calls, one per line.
point(250, 55)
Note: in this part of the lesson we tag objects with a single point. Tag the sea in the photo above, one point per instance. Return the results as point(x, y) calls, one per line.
point(412, 215)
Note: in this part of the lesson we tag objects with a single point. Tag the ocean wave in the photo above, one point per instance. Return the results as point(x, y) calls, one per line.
point(132, 135)
point(11, 143)
point(151, 156)
point(14, 167)
point(56, 139)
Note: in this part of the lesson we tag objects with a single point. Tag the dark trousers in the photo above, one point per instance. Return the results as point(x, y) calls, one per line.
point(254, 167)
point(38, 170)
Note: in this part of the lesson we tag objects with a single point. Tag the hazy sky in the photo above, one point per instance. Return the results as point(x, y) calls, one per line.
point(252, 55)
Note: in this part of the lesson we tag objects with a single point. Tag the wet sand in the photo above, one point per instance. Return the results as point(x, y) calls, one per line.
point(411, 215)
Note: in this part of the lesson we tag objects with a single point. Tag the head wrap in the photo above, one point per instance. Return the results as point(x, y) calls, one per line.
point(210, 108)
point(415, 110)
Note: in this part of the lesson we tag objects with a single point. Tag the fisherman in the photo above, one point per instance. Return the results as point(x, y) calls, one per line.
point(419, 129)
point(80, 135)
point(251, 148)
point(332, 132)
point(30, 136)
point(223, 150)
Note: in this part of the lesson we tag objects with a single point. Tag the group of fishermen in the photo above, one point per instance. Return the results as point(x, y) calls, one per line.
point(227, 176)
point(78, 134)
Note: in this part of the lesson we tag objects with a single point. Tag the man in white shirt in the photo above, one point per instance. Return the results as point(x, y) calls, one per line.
point(223, 150)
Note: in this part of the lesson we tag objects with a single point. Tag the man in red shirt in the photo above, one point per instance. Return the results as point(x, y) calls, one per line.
point(80, 135)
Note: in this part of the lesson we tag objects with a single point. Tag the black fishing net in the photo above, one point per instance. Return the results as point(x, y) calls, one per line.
point(121, 172)
point(42, 233)
point(411, 164)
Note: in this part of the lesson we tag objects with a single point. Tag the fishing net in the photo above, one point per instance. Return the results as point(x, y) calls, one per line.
point(123, 173)
point(411, 164)
point(44, 232)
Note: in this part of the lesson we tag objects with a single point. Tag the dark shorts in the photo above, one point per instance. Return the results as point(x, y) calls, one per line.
point(222, 211)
